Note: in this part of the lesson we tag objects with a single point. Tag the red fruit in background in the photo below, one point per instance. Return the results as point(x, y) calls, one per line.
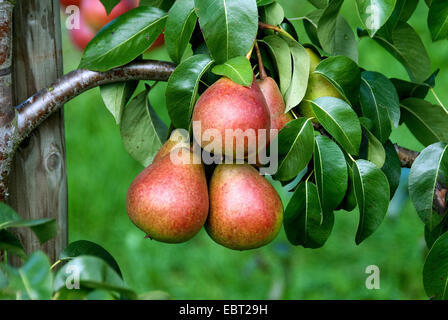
point(160, 41)
point(82, 36)
point(66, 3)
point(95, 14)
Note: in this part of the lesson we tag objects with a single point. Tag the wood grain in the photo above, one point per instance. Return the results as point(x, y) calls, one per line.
point(38, 183)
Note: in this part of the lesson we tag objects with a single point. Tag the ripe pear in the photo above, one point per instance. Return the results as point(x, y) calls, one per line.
point(275, 103)
point(177, 140)
point(318, 86)
point(169, 199)
point(228, 105)
point(245, 210)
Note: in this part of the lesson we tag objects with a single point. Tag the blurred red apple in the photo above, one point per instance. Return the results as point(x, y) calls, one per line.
point(95, 14)
point(160, 41)
point(66, 3)
point(82, 36)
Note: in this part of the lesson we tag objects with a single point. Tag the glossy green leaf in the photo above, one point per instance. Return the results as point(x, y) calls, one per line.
point(330, 170)
point(100, 295)
point(379, 102)
point(229, 26)
point(124, 39)
point(339, 119)
point(161, 4)
point(272, 14)
point(435, 270)
point(238, 69)
point(300, 75)
point(93, 273)
point(407, 47)
point(116, 96)
point(179, 28)
point(319, 3)
point(408, 89)
point(182, 89)
point(375, 152)
point(32, 281)
point(335, 34)
point(402, 12)
point(281, 54)
point(261, 3)
point(392, 167)
point(375, 13)
point(84, 247)
point(438, 19)
point(305, 222)
point(109, 5)
point(295, 148)
point(142, 131)
point(428, 122)
point(344, 74)
point(310, 23)
point(11, 244)
point(44, 229)
point(372, 195)
point(423, 178)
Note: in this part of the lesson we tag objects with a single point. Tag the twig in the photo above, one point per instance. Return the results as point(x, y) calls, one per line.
point(263, 74)
point(406, 156)
point(263, 25)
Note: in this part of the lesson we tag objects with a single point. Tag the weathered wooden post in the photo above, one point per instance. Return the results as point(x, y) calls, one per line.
point(38, 183)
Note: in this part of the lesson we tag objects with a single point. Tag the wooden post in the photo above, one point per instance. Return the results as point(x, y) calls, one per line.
point(38, 183)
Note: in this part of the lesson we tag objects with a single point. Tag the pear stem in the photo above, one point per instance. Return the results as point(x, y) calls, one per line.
point(263, 74)
point(263, 25)
point(249, 54)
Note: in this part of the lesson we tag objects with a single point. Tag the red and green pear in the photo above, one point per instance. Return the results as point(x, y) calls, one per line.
point(245, 210)
point(169, 199)
point(227, 105)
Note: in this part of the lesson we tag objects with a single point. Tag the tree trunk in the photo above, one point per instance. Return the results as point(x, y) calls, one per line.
point(38, 183)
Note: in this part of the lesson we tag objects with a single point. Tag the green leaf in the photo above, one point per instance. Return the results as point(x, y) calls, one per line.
point(100, 294)
point(319, 3)
point(88, 248)
point(124, 39)
point(379, 102)
point(182, 89)
point(344, 74)
point(109, 5)
point(423, 178)
point(428, 122)
point(93, 273)
point(407, 89)
point(335, 34)
point(44, 229)
point(310, 23)
point(330, 170)
point(237, 69)
point(179, 28)
point(407, 47)
point(11, 244)
point(161, 4)
point(281, 55)
point(272, 14)
point(300, 75)
point(392, 167)
point(438, 20)
point(229, 26)
point(375, 152)
point(142, 131)
point(33, 281)
point(295, 148)
point(372, 195)
point(435, 270)
point(375, 13)
point(305, 223)
point(339, 119)
point(116, 96)
point(402, 12)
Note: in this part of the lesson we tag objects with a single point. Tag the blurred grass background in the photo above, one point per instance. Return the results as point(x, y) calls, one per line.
point(100, 171)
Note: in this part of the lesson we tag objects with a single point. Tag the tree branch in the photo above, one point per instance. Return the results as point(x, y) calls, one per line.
point(17, 123)
point(406, 156)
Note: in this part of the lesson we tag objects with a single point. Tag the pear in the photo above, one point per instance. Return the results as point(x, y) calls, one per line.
point(318, 86)
point(227, 105)
point(245, 210)
point(177, 140)
point(169, 199)
point(275, 103)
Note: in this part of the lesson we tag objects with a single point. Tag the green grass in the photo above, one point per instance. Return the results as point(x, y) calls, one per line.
point(100, 171)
